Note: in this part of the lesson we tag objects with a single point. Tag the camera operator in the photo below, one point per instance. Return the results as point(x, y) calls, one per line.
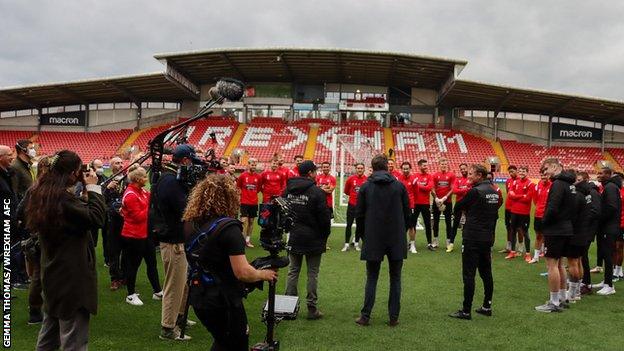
point(68, 274)
point(219, 305)
point(309, 233)
point(113, 194)
point(169, 196)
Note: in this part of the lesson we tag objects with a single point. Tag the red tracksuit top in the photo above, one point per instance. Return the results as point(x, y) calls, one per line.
point(461, 187)
point(540, 196)
point(135, 205)
point(508, 185)
point(328, 179)
point(423, 183)
point(396, 173)
point(249, 184)
point(443, 184)
point(293, 172)
point(521, 201)
point(622, 213)
point(408, 182)
point(272, 183)
point(352, 186)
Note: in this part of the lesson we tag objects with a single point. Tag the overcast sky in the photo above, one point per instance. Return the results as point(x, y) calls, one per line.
point(568, 46)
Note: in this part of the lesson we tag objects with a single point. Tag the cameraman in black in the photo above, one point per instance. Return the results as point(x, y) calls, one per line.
point(309, 233)
point(113, 193)
point(218, 300)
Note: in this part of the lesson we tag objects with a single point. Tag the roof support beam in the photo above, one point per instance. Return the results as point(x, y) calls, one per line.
point(392, 71)
point(286, 66)
point(234, 67)
point(561, 106)
point(127, 93)
point(341, 75)
point(501, 104)
point(66, 91)
point(26, 101)
point(445, 89)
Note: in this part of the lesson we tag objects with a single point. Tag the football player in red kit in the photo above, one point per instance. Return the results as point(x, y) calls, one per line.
point(396, 173)
point(539, 199)
point(521, 195)
point(352, 186)
point(327, 183)
point(442, 201)
point(283, 170)
point(513, 170)
point(249, 182)
point(423, 183)
point(272, 182)
point(407, 178)
point(294, 172)
point(460, 188)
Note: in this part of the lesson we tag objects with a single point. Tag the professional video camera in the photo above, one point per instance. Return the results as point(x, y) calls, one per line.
point(276, 218)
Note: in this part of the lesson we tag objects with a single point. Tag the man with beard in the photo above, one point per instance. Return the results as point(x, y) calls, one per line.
point(513, 170)
point(460, 189)
point(442, 200)
point(611, 204)
point(407, 178)
point(272, 182)
point(521, 194)
point(423, 183)
point(396, 173)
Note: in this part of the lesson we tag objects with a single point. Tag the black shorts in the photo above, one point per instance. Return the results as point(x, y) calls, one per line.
point(249, 211)
point(507, 218)
point(575, 251)
point(520, 221)
point(412, 219)
point(555, 246)
point(537, 225)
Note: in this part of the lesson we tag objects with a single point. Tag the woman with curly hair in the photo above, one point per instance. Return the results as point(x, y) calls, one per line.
point(219, 306)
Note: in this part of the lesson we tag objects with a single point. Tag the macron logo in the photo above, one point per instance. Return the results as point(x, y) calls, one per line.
point(575, 133)
point(64, 120)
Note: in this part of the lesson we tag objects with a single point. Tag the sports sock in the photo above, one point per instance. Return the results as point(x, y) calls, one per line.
point(572, 289)
point(412, 242)
point(554, 298)
point(562, 295)
point(536, 254)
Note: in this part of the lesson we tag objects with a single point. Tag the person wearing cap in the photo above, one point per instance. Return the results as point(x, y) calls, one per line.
point(308, 237)
point(169, 196)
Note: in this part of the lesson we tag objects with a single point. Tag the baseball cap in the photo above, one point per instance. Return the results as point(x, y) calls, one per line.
point(186, 150)
point(306, 167)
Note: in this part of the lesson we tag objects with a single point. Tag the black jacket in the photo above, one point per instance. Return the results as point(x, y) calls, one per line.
point(312, 217)
point(167, 204)
point(587, 213)
point(611, 207)
point(384, 204)
point(6, 193)
point(21, 178)
point(481, 205)
point(560, 206)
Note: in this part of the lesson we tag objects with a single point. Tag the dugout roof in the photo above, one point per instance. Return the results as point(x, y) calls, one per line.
point(482, 96)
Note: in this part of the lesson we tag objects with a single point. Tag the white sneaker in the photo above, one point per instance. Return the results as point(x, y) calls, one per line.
point(345, 248)
point(597, 286)
point(413, 249)
point(134, 300)
point(158, 295)
point(357, 247)
point(606, 290)
point(436, 243)
point(534, 260)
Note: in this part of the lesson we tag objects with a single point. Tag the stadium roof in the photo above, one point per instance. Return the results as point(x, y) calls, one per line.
point(483, 96)
point(132, 88)
point(313, 66)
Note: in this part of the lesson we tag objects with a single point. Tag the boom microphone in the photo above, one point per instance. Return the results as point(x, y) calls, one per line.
point(227, 88)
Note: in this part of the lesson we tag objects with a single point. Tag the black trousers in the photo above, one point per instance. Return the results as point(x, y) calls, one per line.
point(228, 327)
point(394, 299)
point(447, 220)
point(599, 258)
point(606, 248)
point(456, 221)
point(477, 255)
point(359, 225)
point(585, 263)
point(115, 223)
point(134, 251)
point(424, 210)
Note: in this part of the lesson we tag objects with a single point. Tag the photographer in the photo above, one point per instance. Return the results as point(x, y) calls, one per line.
point(308, 236)
point(68, 274)
point(169, 196)
point(219, 305)
point(112, 194)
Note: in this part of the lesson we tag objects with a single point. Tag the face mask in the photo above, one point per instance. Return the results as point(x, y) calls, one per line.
point(32, 153)
point(99, 171)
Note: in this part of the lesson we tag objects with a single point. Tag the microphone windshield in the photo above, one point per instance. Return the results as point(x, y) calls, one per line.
point(231, 89)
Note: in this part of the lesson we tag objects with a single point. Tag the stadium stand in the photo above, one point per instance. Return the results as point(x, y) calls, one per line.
point(9, 137)
point(618, 156)
point(265, 135)
point(102, 145)
point(362, 131)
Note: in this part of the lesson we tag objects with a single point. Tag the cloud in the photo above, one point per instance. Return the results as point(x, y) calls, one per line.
point(570, 46)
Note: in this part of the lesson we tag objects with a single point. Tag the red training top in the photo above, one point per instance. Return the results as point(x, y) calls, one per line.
point(540, 195)
point(396, 173)
point(352, 186)
point(408, 182)
point(622, 213)
point(523, 195)
point(134, 208)
point(443, 184)
point(423, 183)
point(461, 187)
point(508, 185)
point(272, 183)
point(249, 184)
point(328, 179)
point(293, 172)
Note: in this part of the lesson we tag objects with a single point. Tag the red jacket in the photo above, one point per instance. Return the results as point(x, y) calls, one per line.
point(284, 172)
point(272, 183)
point(540, 195)
point(508, 185)
point(443, 185)
point(329, 179)
point(293, 172)
point(423, 183)
point(523, 196)
point(249, 184)
point(134, 208)
point(622, 213)
point(396, 173)
point(461, 187)
point(408, 182)
point(352, 186)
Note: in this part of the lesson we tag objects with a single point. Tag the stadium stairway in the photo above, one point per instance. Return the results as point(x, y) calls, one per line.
point(609, 158)
point(308, 154)
point(130, 141)
point(388, 140)
point(500, 153)
point(238, 134)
